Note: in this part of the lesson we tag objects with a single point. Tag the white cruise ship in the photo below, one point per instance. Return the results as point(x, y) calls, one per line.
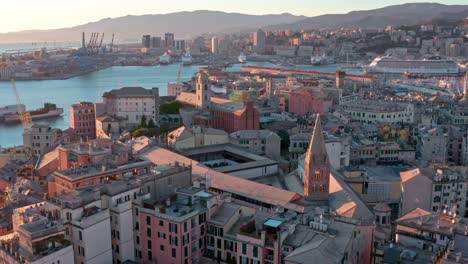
point(187, 58)
point(165, 58)
point(425, 66)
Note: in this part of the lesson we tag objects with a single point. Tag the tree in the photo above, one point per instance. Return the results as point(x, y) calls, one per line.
point(142, 131)
point(170, 108)
point(151, 123)
point(143, 121)
point(284, 135)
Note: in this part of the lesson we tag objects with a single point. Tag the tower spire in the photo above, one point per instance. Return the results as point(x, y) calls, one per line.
point(317, 166)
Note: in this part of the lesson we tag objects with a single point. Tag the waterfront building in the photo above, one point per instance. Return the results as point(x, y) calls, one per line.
point(169, 40)
point(259, 41)
point(179, 45)
point(83, 120)
point(156, 42)
point(261, 142)
point(214, 46)
point(132, 104)
point(146, 41)
point(41, 138)
point(196, 136)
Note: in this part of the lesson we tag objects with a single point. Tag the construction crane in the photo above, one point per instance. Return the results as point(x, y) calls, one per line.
point(112, 42)
point(100, 43)
point(25, 117)
point(90, 40)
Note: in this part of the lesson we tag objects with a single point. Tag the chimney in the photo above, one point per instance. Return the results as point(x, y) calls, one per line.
point(83, 40)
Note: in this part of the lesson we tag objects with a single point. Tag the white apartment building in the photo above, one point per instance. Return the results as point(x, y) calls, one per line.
point(379, 111)
point(132, 103)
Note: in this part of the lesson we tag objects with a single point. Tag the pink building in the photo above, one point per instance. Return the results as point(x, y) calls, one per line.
point(83, 120)
point(242, 118)
point(309, 101)
point(174, 231)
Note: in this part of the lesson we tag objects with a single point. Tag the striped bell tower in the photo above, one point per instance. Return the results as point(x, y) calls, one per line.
point(317, 167)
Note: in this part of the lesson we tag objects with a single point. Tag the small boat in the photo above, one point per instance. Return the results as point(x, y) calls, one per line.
point(242, 58)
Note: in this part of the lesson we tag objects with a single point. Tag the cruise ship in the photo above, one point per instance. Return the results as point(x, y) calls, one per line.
point(165, 58)
point(434, 65)
point(49, 110)
point(187, 58)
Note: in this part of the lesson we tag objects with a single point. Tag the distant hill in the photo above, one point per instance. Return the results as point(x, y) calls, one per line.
point(410, 14)
point(190, 24)
point(183, 24)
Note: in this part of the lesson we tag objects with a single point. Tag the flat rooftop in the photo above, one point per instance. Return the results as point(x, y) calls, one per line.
point(96, 170)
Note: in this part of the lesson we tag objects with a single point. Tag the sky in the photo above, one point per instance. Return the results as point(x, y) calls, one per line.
point(19, 15)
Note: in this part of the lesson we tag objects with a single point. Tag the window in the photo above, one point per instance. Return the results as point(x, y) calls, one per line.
point(255, 252)
point(161, 247)
point(150, 255)
point(173, 252)
point(148, 220)
point(161, 223)
point(117, 249)
point(80, 235)
point(185, 227)
point(149, 244)
point(148, 232)
point(138, 240)
point(244, 248)
point(185, 251)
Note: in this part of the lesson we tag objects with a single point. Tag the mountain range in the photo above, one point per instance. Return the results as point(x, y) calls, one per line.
point(190, 24)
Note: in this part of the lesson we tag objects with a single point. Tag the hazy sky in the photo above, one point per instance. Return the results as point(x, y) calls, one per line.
point(46, 14)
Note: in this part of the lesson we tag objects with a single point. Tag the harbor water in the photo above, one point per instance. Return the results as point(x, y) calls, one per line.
point(90, 88)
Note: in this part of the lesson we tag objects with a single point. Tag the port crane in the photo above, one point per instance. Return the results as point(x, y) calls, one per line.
point(112, 42)
point(179, 74)
point(25, 117)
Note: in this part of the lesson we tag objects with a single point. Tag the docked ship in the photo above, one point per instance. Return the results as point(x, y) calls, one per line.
point(242, 58)
point(187, 58)
point(434, 65)
point(49, 110)
point(165, 59)
point(322, 60)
